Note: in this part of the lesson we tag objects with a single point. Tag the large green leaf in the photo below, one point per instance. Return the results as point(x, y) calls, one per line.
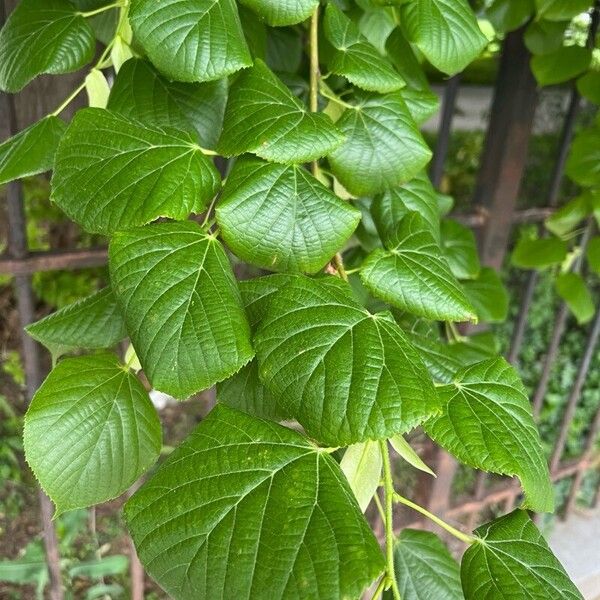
point(561, 65)
point(90, 431)
point(139, 92)
point(422, 104)
point(181, 306)
point(583, 165)
point(314, 328)
point(31, 151)
point(507, 15)
point(460, 249)
point(280, 217)
point(42, 36)
point(511, 559)
point(487, 424)
point(488, 296)
point(264, 117)
point(538, 253)
point(446, 31)
point(401, 53)
point(282, 12)
point(417, 195)
point(191, 40)
point(265, 514)
point(559, 10)
point(94, 322)
point(572, 288)
point(544, 37)
point(114, 173)
point(383, 146)
point(355, 58)
point(412, 274)
point(425, 569)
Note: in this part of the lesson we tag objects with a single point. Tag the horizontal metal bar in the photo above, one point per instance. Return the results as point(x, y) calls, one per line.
point(53, 260)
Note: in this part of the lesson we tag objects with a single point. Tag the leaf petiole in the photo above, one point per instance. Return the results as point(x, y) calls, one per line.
point(97, 11)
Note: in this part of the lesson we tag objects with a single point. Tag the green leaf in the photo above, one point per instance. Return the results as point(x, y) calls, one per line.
point(446, 31)
point(257, 294)
point(568, 216)
point(263, 117)
point(191, 40)
point(561, 65)
point(559, 10)
point(488, 296)
point(315, 327)
point(416, 195)
point(545, 37)
point(405, 450)
point(405, 60)
point(589, 86)
point(282, 12)
point(280, 217)
point(362, 464)
point(460, 249)
point(42, 36)
point(90, 323)
point(511, 559)
point(225, 540)
point(425, 568)
point(31, 151)
point(355, 58)
point(538, 253)
point(383, 146)
point(583, 164)
point(506, 15)
point(114, 173)
point(139, 92)
point(181, 305)
point(97, 89)
point(487, 424)
point(90, 431)
point(413, 275)
point(573, 290)
point(593, 254)
point(422, 104)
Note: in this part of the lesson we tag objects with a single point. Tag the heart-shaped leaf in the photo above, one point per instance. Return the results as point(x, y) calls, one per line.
point(191, 40)
point(181, 305)
point(264, 117)
point(355, 58)
point(224, 540)
point(90, 431)
point(282, 12)
point(114, 173)
point(565, 63)
point(422, 104)
point(460, 249)
point(280, 217)
point(413, 275)
point(583, 164)
point(538, 253)
point(383, 146)
point(42, 36)
point(31, 151)
point(381, 386)
point(510, 558)
point(488, 296)
point(505, 440)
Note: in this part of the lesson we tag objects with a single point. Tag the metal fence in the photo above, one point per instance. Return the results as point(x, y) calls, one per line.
point(493, 217)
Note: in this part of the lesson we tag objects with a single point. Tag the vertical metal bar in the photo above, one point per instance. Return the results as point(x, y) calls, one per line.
point(443, 140)
point(519, 329)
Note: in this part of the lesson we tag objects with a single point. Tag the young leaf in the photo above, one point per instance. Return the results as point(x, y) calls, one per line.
point(280, 217)
point(31, 151)
point(511, 558)
point(361, 464)
point(90, 431)
point(559, 10)
point(380, 386)
point(505, 439)
point(264, 117)
point(181, 305)
point(416, 195)
point(114, 173)
point(583, 164)
point(405, 450)
point(446, 31)
point(572, 288)
point(191, 40)
point(139, 92)
point(42, 36)
point(422, 104)
point(355, 58)
point(282, 12)
point(425, 568)
point(559, 66)
point(97, 89)
point(460, 249)
point(568, 216)
point(538, 253)
point(225, 540)
point(488, 296)
point(90, 323)
point(383, 146)
point(413, 275)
